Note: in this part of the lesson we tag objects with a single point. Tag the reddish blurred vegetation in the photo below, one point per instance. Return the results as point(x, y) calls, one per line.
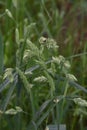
point(74, 26)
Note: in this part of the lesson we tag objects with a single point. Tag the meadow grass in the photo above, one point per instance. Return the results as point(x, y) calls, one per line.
point(36, 73)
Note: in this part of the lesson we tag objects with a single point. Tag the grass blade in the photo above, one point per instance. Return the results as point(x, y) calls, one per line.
point(43, 106)
point(8, 96)
point(7, 82)
point(1, 55)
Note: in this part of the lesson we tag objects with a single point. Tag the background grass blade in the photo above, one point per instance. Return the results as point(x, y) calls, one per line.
point(6, 82)
point(8, 97)
point(1, 54)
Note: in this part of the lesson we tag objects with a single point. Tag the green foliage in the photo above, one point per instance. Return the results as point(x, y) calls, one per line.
point(1, 55)
point(38, 86)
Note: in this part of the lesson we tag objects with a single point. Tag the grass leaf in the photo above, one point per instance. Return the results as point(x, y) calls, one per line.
point(8, 97)
point(1, 55)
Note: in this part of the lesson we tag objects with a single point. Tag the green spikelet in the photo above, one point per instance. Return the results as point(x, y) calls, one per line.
point(27, 85)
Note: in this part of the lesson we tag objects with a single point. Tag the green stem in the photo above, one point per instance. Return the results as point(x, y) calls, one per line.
point(32, 104)
point(65, 93)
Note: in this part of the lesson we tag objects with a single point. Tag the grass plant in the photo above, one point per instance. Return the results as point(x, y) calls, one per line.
point(42, 47)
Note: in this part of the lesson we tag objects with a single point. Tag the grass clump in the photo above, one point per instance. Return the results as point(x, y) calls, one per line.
point(38, 84)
